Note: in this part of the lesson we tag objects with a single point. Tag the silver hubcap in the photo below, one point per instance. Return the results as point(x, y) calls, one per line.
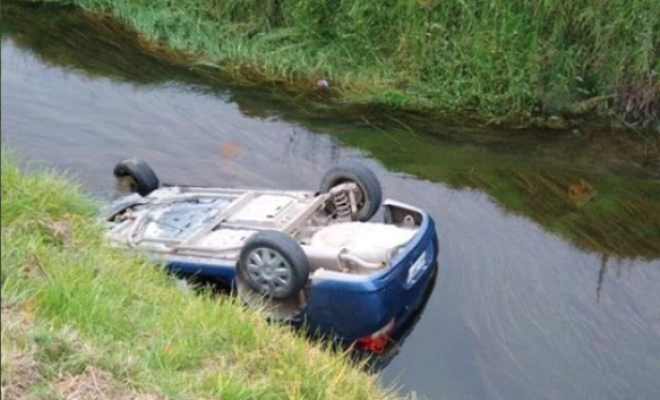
point(269, 270)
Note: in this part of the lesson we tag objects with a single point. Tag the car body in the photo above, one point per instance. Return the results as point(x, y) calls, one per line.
point(308, 258)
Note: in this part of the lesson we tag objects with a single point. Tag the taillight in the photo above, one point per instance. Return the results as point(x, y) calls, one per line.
point(377, 341)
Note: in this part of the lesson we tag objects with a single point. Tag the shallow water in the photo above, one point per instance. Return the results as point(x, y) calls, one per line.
point(547, 286)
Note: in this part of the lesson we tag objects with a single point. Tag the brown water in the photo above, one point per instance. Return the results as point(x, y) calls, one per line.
point(548, 287)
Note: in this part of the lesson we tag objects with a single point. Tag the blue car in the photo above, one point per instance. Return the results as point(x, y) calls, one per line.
point(313, 259)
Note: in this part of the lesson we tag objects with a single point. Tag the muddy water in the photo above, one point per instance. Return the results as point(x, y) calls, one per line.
point(550, 244)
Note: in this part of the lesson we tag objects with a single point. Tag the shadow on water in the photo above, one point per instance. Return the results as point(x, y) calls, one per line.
point(598, 189)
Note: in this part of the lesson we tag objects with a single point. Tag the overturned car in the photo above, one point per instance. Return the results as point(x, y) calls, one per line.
point(309, 258)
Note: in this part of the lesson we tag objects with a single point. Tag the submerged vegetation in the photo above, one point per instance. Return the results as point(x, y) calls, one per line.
point(82, 320)
point(497, 60)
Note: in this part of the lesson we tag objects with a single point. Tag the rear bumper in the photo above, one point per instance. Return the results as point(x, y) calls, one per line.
point(352, 307)
point(349, 307)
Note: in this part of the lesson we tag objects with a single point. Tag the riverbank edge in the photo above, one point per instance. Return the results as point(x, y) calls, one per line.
point(351, 97)
point(77, 312)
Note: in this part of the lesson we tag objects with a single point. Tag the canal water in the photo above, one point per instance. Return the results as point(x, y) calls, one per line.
point(550, 242)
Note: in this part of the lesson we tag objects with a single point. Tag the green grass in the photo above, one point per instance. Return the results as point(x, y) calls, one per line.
point(498, 60)
point(78, 315)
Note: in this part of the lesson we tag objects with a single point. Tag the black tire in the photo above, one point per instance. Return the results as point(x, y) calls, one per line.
point(144, 178)
point(279, 279)
point(351, 171)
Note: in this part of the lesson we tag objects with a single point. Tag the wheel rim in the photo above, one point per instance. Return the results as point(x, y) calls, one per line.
point(132, 183)
point(126, 184)
point(269, 271)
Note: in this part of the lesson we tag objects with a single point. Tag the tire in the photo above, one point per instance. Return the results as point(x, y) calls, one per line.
point(351, 171)
point(274, 265)
point(144, 178)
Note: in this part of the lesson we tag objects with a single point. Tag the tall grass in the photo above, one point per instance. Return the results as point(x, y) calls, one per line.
point(498, 59)
point(84, 307)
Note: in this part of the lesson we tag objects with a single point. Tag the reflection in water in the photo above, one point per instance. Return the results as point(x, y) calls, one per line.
point(601, 276)
point(379, 361)
point(587, 188)
point(518, 312)
point(607, 213)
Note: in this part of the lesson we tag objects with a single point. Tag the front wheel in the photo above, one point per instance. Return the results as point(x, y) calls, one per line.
point(274, 265)
point(142, 176)
point(370, 191)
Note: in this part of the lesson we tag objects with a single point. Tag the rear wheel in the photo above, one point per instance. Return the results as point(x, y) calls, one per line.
point(274, 265)
point(370, 191)
point(142, 176)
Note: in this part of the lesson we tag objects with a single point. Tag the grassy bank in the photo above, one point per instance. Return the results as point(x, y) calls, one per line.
point(81, 320)
point(497, 60)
